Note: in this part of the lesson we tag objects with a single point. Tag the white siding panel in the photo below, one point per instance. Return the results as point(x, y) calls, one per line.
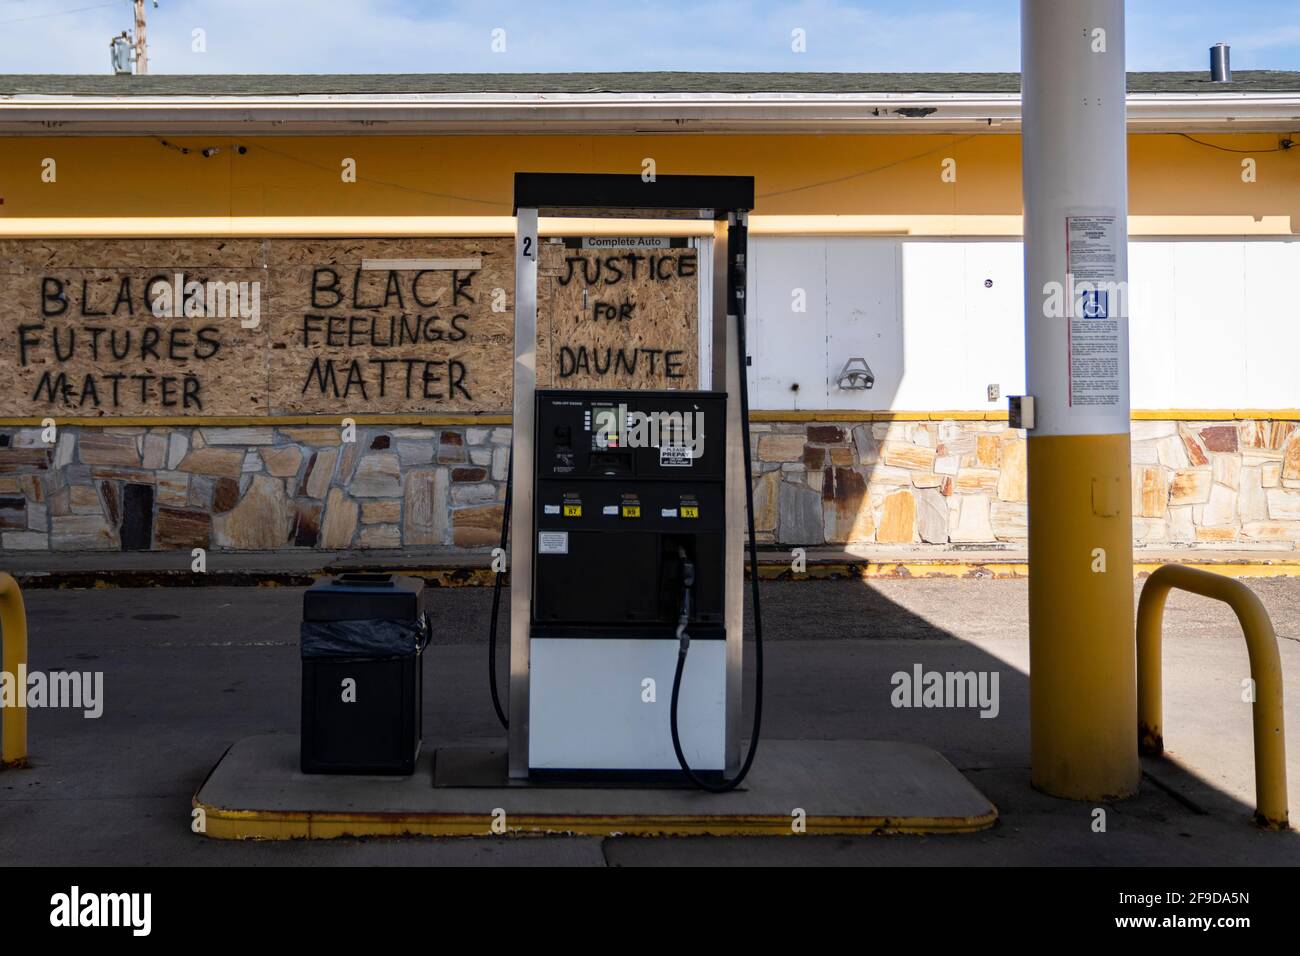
point(994, 329)
point(934, 360)
point(863, 319)
point(1151, 324)
point(1272, 325)
point(788, 347)
point(1213, 323)
point(1209, 353)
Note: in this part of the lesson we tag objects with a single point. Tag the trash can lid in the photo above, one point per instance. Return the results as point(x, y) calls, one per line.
point(359, 597)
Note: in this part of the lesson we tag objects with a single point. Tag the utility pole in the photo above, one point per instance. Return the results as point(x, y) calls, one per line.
point(1082, 675)
point(141, 42)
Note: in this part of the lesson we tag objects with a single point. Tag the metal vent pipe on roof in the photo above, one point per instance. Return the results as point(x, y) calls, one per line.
point(1220, 63)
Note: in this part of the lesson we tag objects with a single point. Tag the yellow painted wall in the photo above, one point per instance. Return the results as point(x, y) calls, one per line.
point(862, 184)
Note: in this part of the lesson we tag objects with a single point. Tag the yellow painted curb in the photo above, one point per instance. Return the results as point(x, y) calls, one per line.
point(867, 569)
point(943, 568)
point(230, 824)
point(1240, 569)
point(474, 577)
point(938, 567)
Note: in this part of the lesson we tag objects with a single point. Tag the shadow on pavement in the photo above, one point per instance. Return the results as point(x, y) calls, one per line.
point(188, 672)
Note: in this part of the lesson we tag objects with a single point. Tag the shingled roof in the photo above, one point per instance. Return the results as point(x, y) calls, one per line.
point(1243, 81)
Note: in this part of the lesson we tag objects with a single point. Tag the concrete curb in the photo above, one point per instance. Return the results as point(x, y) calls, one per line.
point(863, 787)
point(458, 572)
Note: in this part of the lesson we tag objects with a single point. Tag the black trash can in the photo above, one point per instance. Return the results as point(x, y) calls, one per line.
point(362, 640)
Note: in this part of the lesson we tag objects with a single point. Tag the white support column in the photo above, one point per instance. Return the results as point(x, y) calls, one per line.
point(521, 511)
point(1075, 175)
point(1083, 707)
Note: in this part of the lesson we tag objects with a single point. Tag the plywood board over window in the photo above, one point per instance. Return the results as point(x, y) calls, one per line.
point(291, 327)
point(82, 337)
point(380, 326)
point(618, 316)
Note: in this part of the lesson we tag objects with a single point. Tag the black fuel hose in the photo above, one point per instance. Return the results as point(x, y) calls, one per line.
point(684, 639)
point(496, 596)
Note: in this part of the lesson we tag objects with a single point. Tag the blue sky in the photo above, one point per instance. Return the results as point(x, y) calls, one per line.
point(419, 36)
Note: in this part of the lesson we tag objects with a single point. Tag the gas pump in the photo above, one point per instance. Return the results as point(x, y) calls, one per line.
point(629, 511)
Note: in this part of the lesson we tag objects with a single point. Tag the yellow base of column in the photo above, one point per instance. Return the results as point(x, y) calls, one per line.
point(1082, 677)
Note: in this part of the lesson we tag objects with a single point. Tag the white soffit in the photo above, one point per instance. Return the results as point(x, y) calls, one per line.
point(550, 113)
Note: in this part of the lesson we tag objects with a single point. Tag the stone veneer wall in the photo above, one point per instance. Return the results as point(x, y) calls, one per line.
point(963, 482)
point(252, 488)
point(887, 483)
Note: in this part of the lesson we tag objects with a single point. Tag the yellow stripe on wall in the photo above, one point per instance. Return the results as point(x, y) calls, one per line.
point(1007, 227)
point(253, 421)
point(811, 415)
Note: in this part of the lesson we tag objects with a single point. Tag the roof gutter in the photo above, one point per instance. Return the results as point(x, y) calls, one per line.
point(592, 113)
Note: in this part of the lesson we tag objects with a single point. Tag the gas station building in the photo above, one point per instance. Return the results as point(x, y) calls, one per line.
point(364, 226)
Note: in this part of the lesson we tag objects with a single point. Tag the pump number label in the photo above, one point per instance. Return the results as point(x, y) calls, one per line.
point(690, 511)
point(573, 511)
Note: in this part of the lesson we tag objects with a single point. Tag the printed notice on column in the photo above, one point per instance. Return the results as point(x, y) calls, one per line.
point(1095, 303)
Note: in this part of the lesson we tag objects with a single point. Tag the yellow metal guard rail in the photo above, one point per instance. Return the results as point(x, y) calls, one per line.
point(13, 637)
point(1265, 671)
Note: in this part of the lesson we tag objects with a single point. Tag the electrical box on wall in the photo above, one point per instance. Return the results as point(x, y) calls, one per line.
point(1020, 411)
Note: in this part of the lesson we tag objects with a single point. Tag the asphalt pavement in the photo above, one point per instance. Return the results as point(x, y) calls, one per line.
point(188, 671)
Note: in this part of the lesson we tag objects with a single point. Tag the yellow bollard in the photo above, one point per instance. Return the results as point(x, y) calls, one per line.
point(1265, 671)
point(13, 636)
point(1082, 686)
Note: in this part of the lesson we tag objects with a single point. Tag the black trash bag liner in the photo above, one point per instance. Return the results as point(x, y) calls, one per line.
point(370, 638)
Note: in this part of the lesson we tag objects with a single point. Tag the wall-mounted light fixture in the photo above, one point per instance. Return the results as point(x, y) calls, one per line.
point(856, 375)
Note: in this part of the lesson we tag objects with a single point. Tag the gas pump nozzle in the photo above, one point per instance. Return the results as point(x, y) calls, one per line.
point(688, 582)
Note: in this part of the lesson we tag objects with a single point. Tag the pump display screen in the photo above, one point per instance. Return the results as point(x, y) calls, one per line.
point(643, 434)
point(606, 429)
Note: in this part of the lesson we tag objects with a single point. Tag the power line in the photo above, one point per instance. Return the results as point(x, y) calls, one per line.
point(59, 13)
point(866, 172)
point(208, 153)
point(381, 182)
point(1286, 145)
point(1228, 149)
